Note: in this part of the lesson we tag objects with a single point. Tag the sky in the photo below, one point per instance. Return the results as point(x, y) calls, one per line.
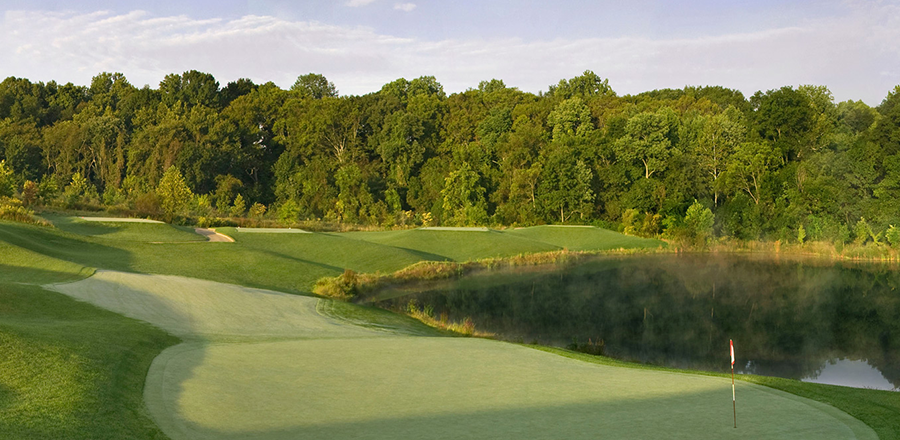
point(850, 46)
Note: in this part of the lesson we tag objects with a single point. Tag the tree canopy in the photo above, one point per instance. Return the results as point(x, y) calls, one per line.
point(769, 166)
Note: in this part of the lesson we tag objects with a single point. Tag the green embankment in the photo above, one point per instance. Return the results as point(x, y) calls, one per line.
point(286, 262)
point(68, 370)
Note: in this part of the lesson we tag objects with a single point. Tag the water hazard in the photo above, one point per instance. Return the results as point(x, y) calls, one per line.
point(810, 320)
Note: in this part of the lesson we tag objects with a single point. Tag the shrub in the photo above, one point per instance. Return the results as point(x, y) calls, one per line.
point(257, 210)
point(12, 209)
point(239, 206)
point(343, 286)
point(893, 236)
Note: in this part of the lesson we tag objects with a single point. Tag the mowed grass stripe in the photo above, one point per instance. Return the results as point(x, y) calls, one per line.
point(199, 309)
point(456, 245)
point(584, 238)
point(434, 388)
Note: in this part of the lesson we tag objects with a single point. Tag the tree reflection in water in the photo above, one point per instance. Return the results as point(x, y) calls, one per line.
point(787, 316)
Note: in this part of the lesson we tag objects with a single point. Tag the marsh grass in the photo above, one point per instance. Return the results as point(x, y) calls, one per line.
point(465, 327)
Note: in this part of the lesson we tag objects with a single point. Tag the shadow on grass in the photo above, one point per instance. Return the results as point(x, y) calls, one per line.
point(78, 370)
point(80, 227)
point(421, 255)
point(66, 247)
point(31, 275)
point(678, 417)
point(7, 397)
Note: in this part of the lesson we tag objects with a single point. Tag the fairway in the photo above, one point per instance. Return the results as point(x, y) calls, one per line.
point(263, 365)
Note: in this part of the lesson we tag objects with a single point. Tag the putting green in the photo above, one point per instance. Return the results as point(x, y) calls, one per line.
point(333, 379)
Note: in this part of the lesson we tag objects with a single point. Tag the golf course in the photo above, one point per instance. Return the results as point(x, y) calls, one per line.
point(140, 330)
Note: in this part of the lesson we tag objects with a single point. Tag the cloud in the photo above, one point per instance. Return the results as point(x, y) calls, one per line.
point(857, 56)
point(358, 3)
point(405, 7)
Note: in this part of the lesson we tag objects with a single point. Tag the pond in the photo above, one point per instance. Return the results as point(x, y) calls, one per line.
point(804, 319)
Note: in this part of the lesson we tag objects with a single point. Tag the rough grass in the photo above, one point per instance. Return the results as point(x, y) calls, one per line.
point(69, 370)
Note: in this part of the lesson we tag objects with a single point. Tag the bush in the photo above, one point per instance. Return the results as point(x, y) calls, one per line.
point(148, 204)
point(343, 286)
point(12, 209)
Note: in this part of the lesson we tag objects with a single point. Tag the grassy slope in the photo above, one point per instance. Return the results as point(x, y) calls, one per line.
point(123, 231)
point(584, 239)
point(68, 369)
point(287, 262)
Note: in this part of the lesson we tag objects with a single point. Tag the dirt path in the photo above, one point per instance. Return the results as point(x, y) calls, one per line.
point(212, 235)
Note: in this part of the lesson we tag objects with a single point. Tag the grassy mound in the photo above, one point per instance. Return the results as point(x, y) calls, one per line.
point(70, 370)
point(126, 231)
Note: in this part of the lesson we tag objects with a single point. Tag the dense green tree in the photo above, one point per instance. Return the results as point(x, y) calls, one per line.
point(748, 167)
point(174, 194)
point(785, 159)
point(463, 198)
point(315, 86)
point(585, 86)
point(565, 186)
point(719, 136)
point(648, 139)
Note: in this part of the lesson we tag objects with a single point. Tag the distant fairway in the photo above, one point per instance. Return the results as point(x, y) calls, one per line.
point(293, 372)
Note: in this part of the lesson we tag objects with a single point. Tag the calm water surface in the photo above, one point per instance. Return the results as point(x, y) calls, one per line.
point(810, 320)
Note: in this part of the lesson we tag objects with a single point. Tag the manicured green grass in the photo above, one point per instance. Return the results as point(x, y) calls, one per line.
point(456, 245)
point(21, 265)
point(880, 410)
point(123, 231)
point(584, 238)
point(286, 262)
point(69, 370)
point(430, 388)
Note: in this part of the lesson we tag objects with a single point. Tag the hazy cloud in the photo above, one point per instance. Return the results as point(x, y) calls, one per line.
point(406, 7)
point(358, 3)
point(857, 56)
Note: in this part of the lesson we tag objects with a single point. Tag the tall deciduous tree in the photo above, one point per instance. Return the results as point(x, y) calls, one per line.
point(315, 86)
point(463, 198)
point(565, 186)
point(648, 139)
point(719, 136)
point(748, 166)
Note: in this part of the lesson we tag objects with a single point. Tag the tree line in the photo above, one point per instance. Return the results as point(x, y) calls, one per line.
point(789, 163)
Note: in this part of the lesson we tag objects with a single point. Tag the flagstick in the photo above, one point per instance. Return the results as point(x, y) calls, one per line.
point(733, 404)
